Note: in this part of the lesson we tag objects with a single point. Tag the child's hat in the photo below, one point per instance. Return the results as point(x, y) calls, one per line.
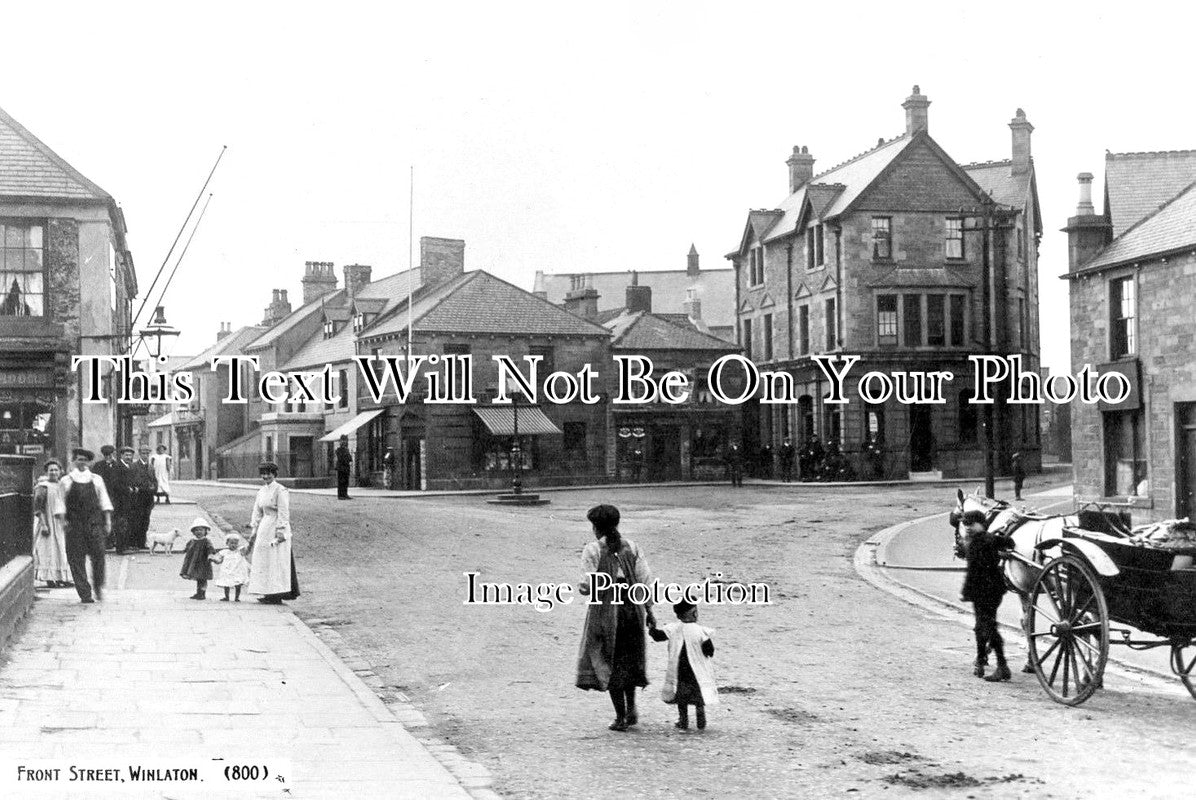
point(233, 537)
point(200, 522)
point(683, 607)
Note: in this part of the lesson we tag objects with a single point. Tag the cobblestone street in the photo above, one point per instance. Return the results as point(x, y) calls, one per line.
point(836, 688)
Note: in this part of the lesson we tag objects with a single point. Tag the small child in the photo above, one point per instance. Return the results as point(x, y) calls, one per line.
point(690, 676)
point(984, 586)
point(196, 564)
point(234, 569)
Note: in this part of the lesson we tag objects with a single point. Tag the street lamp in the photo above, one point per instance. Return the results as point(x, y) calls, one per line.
point(516, 453)
point(159, 334)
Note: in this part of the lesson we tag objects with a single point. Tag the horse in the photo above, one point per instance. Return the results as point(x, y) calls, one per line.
point(1028, 530)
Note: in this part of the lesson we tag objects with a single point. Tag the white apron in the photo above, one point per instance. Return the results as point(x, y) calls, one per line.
point(271, 573)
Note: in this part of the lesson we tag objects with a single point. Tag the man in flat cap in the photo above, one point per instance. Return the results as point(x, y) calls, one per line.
point(84, 510)
point(106, 469)
point(144, 486)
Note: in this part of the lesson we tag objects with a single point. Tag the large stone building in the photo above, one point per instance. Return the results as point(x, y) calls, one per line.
point(1132, 278)
point(884, 256)
point(67, 286)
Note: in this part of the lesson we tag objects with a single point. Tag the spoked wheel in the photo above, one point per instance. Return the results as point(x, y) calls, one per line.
point(1067, 630)
point(1184, 665)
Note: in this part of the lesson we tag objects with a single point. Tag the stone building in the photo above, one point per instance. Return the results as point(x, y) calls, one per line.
point(1132, 278)
point(911, 261)
point(68, 283)
point(457, 446)
point(707, 296)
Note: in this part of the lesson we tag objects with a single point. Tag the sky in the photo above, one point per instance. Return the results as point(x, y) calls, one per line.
point(554, 136)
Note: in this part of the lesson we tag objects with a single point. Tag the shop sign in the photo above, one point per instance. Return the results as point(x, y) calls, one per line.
point(26, 378)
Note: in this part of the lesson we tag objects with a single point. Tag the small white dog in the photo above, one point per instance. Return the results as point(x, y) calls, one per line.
point(166, 540)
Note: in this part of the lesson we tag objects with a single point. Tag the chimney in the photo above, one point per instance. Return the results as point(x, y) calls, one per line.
point(356, 276)
point(279, 308)
point(582, 298)
point(916, 117)
point(225, 329)
point(692, 307)
point(638, 298)
point(1087, 233)
point(440, 260)
point(318, 280)
point(801, 168)
point(691, 262)
point(538, 287)
point(1022, 129)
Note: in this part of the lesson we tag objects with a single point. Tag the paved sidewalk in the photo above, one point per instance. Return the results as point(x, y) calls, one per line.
point(151, 674)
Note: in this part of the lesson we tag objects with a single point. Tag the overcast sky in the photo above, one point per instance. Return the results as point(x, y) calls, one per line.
point(551, 137)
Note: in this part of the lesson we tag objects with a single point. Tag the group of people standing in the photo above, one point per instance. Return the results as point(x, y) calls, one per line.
point(134, 484)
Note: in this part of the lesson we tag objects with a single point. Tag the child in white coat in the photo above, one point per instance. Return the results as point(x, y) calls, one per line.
point(690, 676)
point(234, 568)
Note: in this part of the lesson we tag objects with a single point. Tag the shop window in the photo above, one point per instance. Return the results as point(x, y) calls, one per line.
point(22, 270)
point(1125, 454)
point(26, 429)
point(706, 442)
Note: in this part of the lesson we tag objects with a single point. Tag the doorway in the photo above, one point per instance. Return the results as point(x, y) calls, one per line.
point(921, 439)
point(301, 456)
point(1185, 431)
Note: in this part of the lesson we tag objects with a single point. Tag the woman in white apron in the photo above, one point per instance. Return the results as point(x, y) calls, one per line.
point(160, 463)
point(272, 575)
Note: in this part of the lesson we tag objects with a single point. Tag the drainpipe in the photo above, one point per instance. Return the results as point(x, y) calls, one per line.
point(789, 294)
point(839, 285)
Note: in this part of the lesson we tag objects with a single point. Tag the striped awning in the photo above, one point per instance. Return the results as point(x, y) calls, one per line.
point(351, 425)
point(500, 420)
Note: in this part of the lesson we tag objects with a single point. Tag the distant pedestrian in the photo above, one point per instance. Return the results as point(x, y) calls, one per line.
point(49, 542)
point(787, 455)
point(1019, 476)
point(197, 559)
point(107, 469)
point(344, 465)
point(636, 462)
point(983, 587)
point(689, 679)
point(85, 514)
point(764, 463)
point(734, 461)
point(388, 469)
point(234, 568)
point(160, 461)
point(144, 487)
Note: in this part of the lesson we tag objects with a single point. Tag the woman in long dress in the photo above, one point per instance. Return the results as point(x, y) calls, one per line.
point(273, 575)
point(160, 462)
point(49, 540)
point(613, 653)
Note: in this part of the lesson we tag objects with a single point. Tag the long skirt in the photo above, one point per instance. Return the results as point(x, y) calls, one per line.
point(613, 653)
point(49, 553)
point(294, 592)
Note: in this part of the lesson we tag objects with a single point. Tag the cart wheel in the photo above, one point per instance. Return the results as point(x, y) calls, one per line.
point(1184, 668)
point(1067, 630)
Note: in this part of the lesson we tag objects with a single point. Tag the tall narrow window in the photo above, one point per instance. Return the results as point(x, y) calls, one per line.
point(803, 329)
point(22, 276)
point(882, 238)
point(756, 266)
point(819, 245)
point(832, 321)
point(747, 338)
point(767, 337)
point(1122, 310)
point(954, 241)
point(912, 313)
point(886, 319)
point(957, 320)
point(936, 322)
point(811, 255)
point(343, 388)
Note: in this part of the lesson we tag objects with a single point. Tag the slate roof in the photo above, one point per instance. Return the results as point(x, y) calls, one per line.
point(232, 344)
point(28, 168)
point(1136, 184)
point(640, 330)
point(997, 179)
point(714, 288)
point(478, 302)
point(375, 297)
point(832, 191)
point(276, 330)
point(1170, 228)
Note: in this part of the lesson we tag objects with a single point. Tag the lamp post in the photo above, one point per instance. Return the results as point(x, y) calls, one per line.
point(158, 335)
point(516, 453)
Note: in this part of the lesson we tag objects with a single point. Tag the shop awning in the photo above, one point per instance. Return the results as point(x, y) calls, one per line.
point(163, 421)
point(500, 420)
point(351, 425)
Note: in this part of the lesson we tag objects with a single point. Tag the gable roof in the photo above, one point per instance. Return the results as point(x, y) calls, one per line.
point(232, 344)
point(714, 288)
point(275, 331)
point(478, 302)
point(28, 168)
point(1170, 228)
point(1136, 184)
point(997, 179)
point(641, 330)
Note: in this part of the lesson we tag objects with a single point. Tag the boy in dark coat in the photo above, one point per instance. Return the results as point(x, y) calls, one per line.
point(983, 587)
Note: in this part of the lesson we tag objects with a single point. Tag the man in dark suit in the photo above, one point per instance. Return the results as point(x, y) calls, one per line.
point(105, 469)
point(144, 486)
point(124, 500)
point(344, 464)
point(787, 454)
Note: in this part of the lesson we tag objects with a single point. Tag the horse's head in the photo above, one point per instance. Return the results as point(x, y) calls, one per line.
point(965, 503)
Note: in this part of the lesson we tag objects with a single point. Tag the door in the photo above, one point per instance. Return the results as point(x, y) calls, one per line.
point(921, 439)
point(666, 454)
point(411, 463)
point(1185, 430)
point(301, 456)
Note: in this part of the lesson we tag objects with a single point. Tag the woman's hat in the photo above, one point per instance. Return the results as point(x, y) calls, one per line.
point(268, 466)
point(79, 451)
point(200, 522)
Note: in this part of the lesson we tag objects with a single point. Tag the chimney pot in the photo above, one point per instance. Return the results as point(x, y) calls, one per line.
point(801, 168)
point(1021, 128)
point(917, 118)
point(1085, 207)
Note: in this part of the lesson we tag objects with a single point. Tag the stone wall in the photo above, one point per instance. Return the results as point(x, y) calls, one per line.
point(16, 596)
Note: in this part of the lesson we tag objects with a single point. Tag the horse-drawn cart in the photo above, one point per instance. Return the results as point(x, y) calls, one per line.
point(1094, 583)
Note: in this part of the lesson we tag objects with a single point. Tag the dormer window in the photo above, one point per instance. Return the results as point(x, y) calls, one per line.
point(329, 328)
point(358, 321)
